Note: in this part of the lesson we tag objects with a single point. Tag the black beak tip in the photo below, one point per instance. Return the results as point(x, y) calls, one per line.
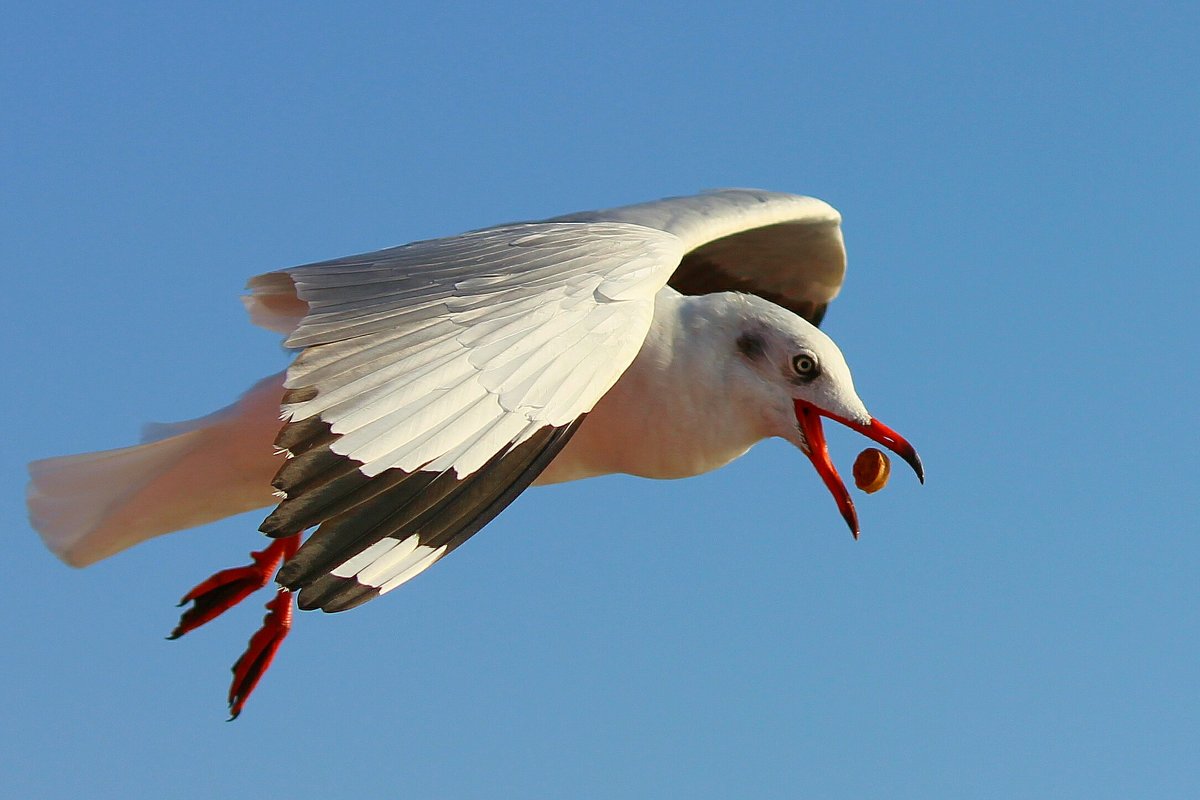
point(918, 467)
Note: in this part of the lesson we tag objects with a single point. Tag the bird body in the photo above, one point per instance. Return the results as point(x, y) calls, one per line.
point(435, 381)
point(662, 419)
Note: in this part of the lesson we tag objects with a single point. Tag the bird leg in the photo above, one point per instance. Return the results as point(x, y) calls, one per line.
point(260, 652)
point(227, 588)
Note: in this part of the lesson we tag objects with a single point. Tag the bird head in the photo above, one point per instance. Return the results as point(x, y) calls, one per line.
point(806, 378)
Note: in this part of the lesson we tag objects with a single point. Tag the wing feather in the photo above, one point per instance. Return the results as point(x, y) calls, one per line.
point(446, 518)
point(435, 382)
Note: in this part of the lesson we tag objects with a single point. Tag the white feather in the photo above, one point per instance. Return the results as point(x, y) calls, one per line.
point(429, 556)
point(373, 574)
point(351, 567)
point(390, 562)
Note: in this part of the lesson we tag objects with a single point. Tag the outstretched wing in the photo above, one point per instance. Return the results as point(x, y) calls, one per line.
point(437, 379)
point(785, 248)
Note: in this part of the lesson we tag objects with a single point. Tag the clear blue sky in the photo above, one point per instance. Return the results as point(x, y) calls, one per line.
point(1019, 193)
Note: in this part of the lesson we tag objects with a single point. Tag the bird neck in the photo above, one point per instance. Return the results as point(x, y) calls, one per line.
point(676, 412)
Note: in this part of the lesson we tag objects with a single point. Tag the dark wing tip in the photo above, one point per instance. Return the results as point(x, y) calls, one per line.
point(354, 512)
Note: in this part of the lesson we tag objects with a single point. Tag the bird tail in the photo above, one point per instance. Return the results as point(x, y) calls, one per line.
point(90, 506)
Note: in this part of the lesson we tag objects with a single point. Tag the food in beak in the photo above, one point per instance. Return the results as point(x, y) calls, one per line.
point(808, 417)
point(871, 470)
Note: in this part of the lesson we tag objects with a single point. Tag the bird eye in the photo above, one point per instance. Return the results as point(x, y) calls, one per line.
point(805, 365)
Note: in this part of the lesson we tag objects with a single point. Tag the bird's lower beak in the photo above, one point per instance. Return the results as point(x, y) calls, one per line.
point(808, 416)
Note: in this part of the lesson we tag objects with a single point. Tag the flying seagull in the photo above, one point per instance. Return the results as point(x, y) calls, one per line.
point(435, 381)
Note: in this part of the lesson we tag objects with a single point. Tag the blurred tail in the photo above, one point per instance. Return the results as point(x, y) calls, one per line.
point(90, 506)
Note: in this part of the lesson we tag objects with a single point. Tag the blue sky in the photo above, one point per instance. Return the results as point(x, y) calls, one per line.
point(1018, 187)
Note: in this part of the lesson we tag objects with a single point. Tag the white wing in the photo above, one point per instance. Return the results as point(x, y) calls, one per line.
point(437, 379)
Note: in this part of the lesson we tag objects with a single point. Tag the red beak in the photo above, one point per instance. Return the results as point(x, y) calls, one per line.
point(809, 418)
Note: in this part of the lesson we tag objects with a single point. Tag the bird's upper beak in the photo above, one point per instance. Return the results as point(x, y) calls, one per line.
point(808, 416)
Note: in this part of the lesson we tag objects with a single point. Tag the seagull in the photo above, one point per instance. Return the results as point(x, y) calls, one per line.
point(435, 381)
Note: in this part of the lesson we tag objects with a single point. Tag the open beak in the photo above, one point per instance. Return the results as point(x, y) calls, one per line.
point(808, 416)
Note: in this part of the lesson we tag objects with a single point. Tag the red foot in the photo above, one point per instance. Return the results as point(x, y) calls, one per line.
point(261, 651)
point(227, 588)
